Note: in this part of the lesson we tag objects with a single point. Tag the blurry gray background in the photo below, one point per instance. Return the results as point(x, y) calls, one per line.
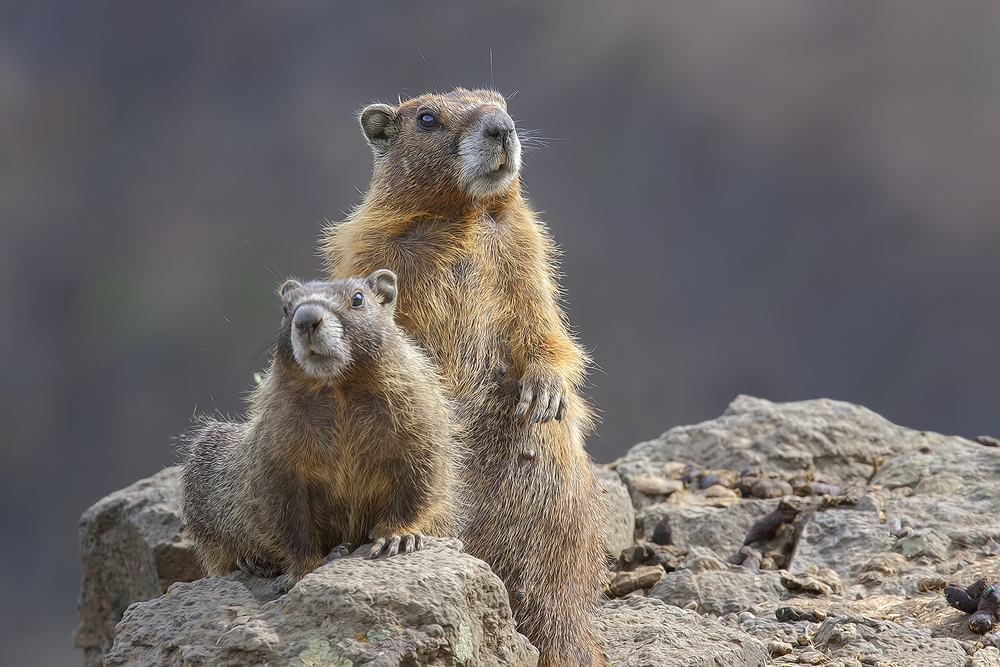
point(786, 199)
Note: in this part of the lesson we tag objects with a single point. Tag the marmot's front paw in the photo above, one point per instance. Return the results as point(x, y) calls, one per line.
point(545, 395)
point(390, 545)
point(338, 551)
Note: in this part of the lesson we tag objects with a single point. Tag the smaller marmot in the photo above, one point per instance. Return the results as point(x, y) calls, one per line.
point(348, 437)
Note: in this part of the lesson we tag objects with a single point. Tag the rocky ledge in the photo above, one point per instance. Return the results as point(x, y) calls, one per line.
point(809, 533)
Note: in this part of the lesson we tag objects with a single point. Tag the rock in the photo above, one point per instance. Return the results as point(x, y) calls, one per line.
point(795, 614)
point(871, 640)
point(642, 577)
point(944, 466)
point(842, 540)
point(436, 606)
point(766, 487)
point(777, 648)
point(662, 533)
point(619, 532)
point(882, 566)
point(956, 494)
point(700, 559)
point(840, 442)
point(814, 581)
point(639, 632)
point(657, 485)
point(132, 547)
point(721, 529)
point(988, 656)
point(926, 543)
point(719, 592)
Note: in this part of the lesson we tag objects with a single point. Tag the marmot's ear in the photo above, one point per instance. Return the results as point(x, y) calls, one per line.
point(383, 283)
point(288, 286)
point(379, 123)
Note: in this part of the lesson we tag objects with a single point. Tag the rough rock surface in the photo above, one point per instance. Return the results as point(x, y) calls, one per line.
point(718, 588)
point(884, 517)
point(839, 441)
point(619, 532)
point(842, 540)
point(132, 548)
point(871, 640)
point(640, 632)
point(436, 606)
point(721, 529)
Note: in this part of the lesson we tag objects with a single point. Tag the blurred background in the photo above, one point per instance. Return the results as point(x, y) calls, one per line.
point(785, 199)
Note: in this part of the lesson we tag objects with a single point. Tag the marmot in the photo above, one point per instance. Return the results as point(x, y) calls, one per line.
point(477, 268)
point(349, 436)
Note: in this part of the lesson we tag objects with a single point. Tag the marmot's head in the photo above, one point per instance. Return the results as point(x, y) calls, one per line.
point(329, 327)
point(438, 152)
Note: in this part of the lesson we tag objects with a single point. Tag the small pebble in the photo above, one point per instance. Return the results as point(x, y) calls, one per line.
point(982, 622)
point(745, 616)
point(779, 648)
point(771, 488)
point(691, 474)
point(987, 440)
point(927, 584)
point(662, 533)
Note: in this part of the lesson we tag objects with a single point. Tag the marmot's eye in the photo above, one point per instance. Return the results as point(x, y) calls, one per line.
point(357, 300)
point(427, 121)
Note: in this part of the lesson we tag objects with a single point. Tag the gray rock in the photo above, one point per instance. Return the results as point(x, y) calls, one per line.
point(944, 465)
point(132, 548)
point(720, 592)
point(639, 632)
point(988, 656)
point(620, 532)
point(966, 521)
point(436, 606)
point(840, 441)
point(842, 540)
point(956, 494)
point(768, 630)
point(858, 636)
point(926, 543)
point(721, 529)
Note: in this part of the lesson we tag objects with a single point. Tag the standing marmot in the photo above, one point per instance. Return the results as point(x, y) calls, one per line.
point(445, 212)
point(348, 435)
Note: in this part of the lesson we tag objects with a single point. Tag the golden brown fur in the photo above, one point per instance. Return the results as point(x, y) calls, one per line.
point(336, 446)
point(478, 276)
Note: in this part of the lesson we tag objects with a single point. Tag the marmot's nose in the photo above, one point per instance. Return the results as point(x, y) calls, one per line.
point(307, 319)
point(497, 125)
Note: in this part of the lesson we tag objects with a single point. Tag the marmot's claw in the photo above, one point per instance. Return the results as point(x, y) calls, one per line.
point(563, 405)
point(541, 404)
point(339, 551)
point(527, 396)
point(377, 549)
point(549, 397)
point(390, 545)
point(258, 567)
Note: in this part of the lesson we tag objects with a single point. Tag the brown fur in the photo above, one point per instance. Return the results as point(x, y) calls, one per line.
point(320, 461)
point(478, 273)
